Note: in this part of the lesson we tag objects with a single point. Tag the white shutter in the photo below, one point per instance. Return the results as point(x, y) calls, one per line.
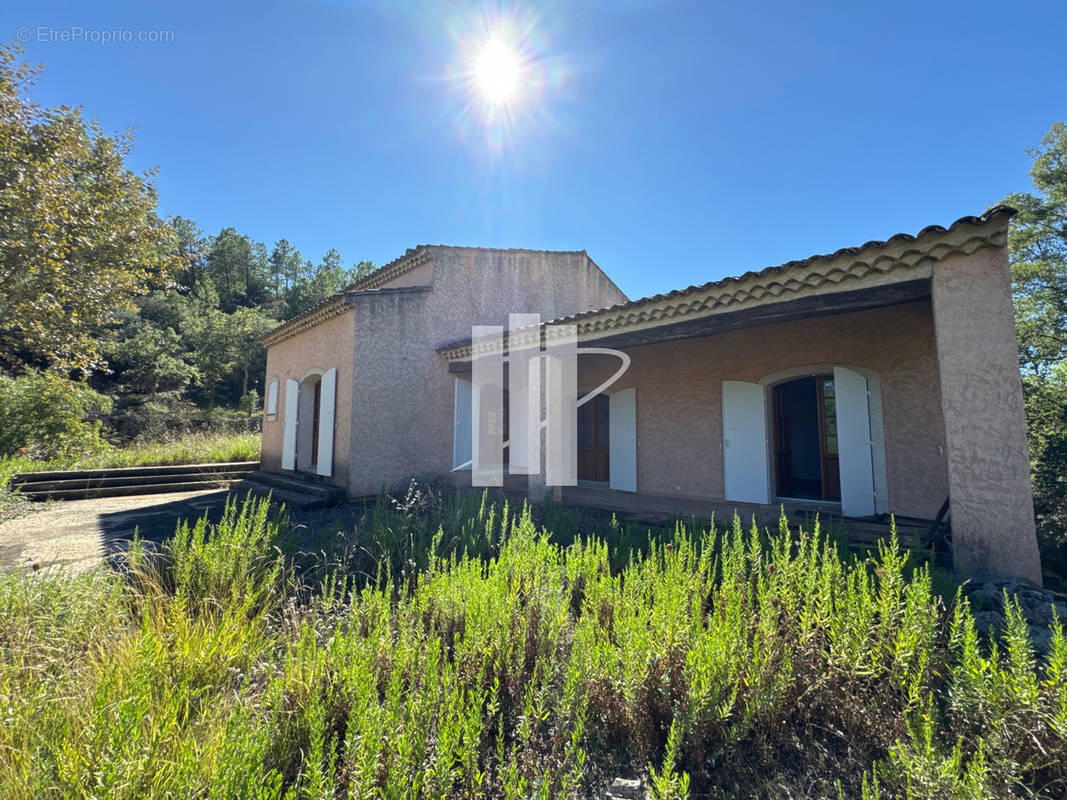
point(744, 442)
point(272, 397)
point(327, 403)
point(462, 449)
point(854, 443)
point(622, 440)
point(292, 393)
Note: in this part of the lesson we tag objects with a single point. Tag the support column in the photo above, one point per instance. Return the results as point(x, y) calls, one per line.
point(992, 508)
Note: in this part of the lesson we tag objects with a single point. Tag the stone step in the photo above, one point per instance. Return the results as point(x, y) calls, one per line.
point(53, 486)
point(85, 493)
point(126, 481)
point(23, 478)
point(294, 492)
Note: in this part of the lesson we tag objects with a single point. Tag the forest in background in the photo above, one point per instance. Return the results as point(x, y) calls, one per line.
point(118, 325)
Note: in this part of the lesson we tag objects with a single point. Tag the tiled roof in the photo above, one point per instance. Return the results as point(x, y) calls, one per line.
point(873, 244)
point(770, 281)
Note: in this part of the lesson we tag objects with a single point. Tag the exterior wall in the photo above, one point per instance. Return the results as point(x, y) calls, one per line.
point(401, 414)
point(327, 345)
point(679, 397)
point(981, 394)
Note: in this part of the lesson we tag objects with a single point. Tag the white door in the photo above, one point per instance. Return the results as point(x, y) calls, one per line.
point(292, 395)
point(744, 442)
point(462, 445)
point(327, 403)
point(622, 440)
point(854, 443)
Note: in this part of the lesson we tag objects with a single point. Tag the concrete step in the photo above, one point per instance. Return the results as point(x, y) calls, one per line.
point(134, 472)
point(49, 487)
point(294, 492)
point(126, 481)
point(85, 493)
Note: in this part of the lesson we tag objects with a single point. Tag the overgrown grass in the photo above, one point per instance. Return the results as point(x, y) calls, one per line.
point(731, 663)
point(202, 448)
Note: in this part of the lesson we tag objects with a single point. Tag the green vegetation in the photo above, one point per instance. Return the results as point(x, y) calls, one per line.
point(717, 664)
point(148, 317)
point(1038, 243)
point(205, 448)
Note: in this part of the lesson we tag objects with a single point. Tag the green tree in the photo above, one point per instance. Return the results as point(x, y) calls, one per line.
point(192, 250)
point(1038, 245)
point(286, 266)
point(79, 235)
point(149, 360)
point(224, 349)
point(238, 267)
point(45, 415)
point(328, 278)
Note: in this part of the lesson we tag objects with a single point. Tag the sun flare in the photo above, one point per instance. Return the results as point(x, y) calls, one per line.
point(498, 72)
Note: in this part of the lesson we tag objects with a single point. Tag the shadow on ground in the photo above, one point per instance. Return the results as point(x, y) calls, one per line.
point(308, 530)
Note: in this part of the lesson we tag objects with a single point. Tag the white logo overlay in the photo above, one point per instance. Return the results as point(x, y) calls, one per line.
point(541, 395)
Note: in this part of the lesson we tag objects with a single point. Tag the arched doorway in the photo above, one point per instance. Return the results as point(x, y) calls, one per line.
point(806, 459)
point(309, 420)
point(308, 428)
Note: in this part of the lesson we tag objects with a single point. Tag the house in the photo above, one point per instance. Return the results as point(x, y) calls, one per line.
point(876, 379)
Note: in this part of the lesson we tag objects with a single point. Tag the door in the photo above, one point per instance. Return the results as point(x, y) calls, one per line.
point(744, 442)
point(594, 446)
point(315, 419)
point(805, 439)
point(854, 443)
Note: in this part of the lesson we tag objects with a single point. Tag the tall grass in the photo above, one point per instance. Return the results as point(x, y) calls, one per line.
point(197, 448)
point(717, 663)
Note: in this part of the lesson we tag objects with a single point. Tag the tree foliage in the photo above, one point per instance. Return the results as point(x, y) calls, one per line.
point(44, 415)
point(79, 236)
point(1038, 244)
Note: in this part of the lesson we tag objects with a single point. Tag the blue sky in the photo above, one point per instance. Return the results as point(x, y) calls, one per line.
point(677, 142)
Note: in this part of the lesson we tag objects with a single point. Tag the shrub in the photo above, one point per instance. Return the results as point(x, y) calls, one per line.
point(44, 415)
point(717, 663)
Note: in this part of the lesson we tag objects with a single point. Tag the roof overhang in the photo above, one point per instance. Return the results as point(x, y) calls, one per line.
point(852, 279)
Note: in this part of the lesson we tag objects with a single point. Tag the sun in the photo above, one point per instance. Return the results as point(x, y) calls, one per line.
point(498, 72)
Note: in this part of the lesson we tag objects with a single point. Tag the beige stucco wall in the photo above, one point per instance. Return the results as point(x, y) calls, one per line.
point(402, 413)
point(981, 394)
point(679, 397)
point(327, 345)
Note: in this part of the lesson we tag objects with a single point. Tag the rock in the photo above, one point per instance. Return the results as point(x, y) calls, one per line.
point(625, 789)
point(989, 622)
point(1038, 608)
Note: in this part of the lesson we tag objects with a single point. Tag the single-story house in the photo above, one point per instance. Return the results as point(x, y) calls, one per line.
point(876, 379)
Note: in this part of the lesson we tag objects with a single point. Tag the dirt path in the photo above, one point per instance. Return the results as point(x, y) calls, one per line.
point(81, 533)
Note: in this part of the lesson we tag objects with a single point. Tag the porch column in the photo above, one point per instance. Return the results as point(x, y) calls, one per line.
point(992, 509)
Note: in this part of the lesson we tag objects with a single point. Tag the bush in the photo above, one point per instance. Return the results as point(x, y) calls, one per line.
point(715, 663)
point(43, 415)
